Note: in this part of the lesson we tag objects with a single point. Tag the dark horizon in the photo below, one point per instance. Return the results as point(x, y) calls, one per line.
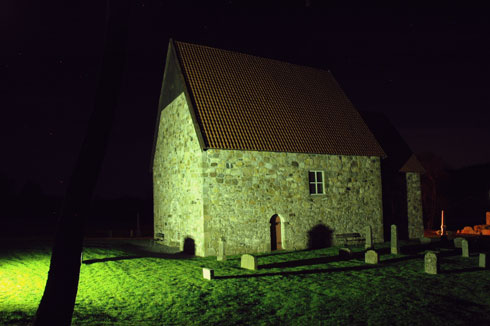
point(425, 69)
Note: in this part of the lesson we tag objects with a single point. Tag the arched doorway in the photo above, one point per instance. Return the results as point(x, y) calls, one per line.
point(276, 239)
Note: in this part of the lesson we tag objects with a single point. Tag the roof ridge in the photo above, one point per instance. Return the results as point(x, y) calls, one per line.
point(253, 55)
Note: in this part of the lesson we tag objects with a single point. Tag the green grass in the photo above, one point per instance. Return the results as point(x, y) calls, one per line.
point(125, 287)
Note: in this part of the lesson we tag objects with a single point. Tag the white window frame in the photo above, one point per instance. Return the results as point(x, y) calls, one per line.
point(316, 182)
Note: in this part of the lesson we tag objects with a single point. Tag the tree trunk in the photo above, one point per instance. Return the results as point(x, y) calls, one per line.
point(58, 301)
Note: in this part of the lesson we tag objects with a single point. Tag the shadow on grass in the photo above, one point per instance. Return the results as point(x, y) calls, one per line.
point(302, 262)
point(461, 270)
point(142, 254)
point(304, 272)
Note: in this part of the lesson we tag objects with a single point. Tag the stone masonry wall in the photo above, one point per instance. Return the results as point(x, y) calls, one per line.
point(177, 181)
point(242, 190)
point(414, 206)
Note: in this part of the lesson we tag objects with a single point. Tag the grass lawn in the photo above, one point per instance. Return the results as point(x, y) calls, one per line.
point(120, 285)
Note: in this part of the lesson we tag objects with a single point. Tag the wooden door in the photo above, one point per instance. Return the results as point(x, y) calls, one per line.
point(276, 239)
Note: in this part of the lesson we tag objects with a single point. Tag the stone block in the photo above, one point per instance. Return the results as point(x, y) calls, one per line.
point(207, 273)
point(425, 240)
point(249, 262)
point(465, 248)
point(431, 262)
point(368, 234)
point(345, 253)
point(371, 257)
point(395, 248)
point(483, 260)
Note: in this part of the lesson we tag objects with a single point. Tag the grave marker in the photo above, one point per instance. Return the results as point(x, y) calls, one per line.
point(431, 262)
point(249, 262)
point(371, 257)
point(221, 250)
point(465, 250)
point(395, 249)
point(457, 242)
point(483, 260)
point(369, 237)
point(345, 253)
point(208, 273)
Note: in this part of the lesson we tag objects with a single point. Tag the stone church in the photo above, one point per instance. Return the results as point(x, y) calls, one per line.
point(261, 153)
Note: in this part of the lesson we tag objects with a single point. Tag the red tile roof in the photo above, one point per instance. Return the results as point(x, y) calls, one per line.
point(245, 102)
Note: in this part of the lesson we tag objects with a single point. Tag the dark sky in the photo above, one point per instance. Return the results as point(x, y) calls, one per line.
point(425, 68)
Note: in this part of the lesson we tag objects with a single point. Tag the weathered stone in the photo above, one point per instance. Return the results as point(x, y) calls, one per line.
point(465, 248)
point(431, 262)
point(371, 257)
point(368, 234)
point(425, 240)
point(221, 250)
point(205, 194)
point(249, 262)
point(345, 253)
point(483, 260)
point(414, 206)
point(208, 273)
point(395, 248)
point(457, 242)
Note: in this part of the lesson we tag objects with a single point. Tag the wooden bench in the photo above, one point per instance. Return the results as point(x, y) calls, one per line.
point(349, 239)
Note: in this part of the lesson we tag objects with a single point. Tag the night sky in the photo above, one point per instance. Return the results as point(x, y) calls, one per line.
point(425, 68)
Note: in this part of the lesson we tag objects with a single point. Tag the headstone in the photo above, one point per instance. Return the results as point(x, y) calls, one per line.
point(457, 242)
point(221, 250)
point(395, 249)
point(208, 273)
point(483, 260)
point(369, 237)
point(425, 240)
point(371, 257)
point(249, 262)
point(465, 250)
point(431, 262)
point(345, 253)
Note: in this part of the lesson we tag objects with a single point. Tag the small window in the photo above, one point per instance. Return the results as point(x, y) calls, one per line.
point(315, 179)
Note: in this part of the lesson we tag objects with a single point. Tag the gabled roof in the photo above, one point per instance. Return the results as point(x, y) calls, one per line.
point(412, 165)
point(400, 156)
point(244, 102)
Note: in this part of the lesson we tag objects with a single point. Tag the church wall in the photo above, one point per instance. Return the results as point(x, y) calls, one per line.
point(242, 190)
point(177, 181)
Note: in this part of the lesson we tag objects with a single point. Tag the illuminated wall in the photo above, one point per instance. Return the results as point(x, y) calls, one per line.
point(243, 190)
point(177, 181)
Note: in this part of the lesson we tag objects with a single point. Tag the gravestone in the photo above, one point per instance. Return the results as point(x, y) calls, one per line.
point(483, 260)
point(369, 237)
point(345, 253)
point(457, 242)
point(395, 249)
point(221, 250)
point(425, 240)
point(465, 249)
point(249, 262)
point(431, 262)
point(207, 273)
point(371, 257)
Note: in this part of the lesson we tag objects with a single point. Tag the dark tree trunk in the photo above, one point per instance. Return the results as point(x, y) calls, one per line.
point(58, 301)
